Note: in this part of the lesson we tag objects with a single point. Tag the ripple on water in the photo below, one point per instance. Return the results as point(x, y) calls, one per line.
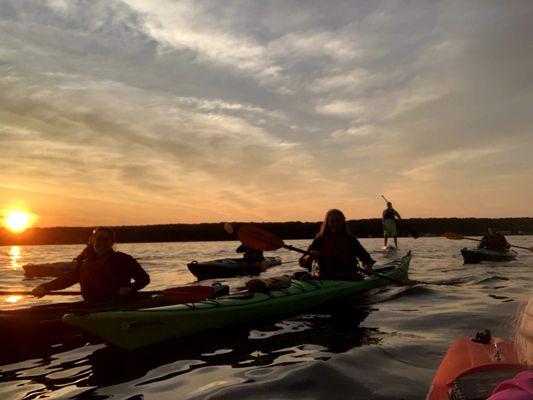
point(385, 345)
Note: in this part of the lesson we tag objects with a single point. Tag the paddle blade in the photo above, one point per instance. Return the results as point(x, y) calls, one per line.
point(453, 236)
point(258, 238)
point(229, 228)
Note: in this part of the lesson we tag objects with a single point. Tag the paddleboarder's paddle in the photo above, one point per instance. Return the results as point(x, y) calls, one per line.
point(412, 232)
point(261, 239)
point(456, 236)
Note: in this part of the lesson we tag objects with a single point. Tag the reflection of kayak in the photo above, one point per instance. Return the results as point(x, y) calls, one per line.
point(229, 267)
point(133, 329)
point(48, 269)
point(471, 370)
point(473, 256)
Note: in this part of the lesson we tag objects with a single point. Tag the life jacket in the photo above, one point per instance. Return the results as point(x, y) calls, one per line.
point(494, 242)
point(389, 214)
point(337, 256)
point(100, 279)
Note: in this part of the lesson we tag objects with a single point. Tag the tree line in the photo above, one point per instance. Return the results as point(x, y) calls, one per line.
point(286, 230)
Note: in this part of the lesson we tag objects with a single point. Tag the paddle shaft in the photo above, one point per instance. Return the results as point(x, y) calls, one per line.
point(65, 293)
point(512, 245)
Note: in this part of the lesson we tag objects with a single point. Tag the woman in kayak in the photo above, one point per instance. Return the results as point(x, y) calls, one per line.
point(389, 224)
point(336, 250)
point(104, 276)
point(521, 386)
point(494, 241)
point(250, 255)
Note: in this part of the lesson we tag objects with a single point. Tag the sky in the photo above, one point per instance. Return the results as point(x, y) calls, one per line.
point(145, 112)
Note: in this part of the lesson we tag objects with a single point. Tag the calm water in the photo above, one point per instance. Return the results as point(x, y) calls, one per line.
point(386, 346)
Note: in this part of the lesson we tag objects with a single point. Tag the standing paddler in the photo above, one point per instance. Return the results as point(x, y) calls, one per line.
point(389, 224)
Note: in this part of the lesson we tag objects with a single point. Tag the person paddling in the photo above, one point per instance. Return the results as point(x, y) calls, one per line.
point(105, 275)
point(494, 241)
point(250, 255)
point(337, 250)
point(389, 224)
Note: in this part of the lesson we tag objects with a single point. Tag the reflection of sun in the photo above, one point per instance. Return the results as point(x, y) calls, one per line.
point(13, 299)
point(15, 256)
point(17, 221)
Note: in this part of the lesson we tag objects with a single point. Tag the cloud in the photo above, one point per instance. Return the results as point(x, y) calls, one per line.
point(267, 111)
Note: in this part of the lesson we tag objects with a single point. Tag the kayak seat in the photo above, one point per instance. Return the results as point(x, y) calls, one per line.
point(479, 386)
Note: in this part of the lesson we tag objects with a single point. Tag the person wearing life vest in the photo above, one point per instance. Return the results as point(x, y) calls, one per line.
point(389, 224)
point(250, 255)
point(494, 241)
point(105, 276)
point(337, 250)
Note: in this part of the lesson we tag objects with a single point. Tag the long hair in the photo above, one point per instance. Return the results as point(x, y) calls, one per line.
point(524, 334)
point(324, 228)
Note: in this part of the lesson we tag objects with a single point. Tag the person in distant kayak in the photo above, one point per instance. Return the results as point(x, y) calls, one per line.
point(494, 241)
point(521, 386)
point(389, 224)
point(337, 250)
point(250, 255)
point(105, 275)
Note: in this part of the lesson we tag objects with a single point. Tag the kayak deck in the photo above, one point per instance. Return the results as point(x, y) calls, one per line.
point(54, 269)
point(471, 370)
point(133, 329)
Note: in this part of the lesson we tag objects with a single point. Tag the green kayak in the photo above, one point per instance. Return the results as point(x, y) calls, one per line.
point(143, 327)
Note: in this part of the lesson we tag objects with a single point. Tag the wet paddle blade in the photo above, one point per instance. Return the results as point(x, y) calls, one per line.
point(453, 236)
point(258, 238)
point(229, 228)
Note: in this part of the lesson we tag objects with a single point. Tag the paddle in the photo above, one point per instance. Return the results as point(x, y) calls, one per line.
point(456, 236)
point(412, 232)
point(229, 228)
point(261, 239)
point(176, 292)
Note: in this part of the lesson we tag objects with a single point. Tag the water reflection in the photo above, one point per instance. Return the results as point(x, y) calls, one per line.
point(13, 299)
point(15, 257)
point(305, 338)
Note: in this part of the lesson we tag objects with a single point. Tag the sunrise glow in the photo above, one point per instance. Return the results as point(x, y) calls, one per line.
point(17, 221)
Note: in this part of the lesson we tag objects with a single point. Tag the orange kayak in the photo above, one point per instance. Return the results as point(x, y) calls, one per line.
point(471, 370)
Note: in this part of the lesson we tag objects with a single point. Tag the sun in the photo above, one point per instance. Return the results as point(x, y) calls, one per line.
point(17, 221)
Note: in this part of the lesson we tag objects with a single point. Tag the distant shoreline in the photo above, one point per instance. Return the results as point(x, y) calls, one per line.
point(363, 228)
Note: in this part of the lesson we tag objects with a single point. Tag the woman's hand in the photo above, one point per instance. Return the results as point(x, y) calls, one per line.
point(124, 291)
point(39, 291)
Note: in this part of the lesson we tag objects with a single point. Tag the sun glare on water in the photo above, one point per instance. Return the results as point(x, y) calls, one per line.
point(17, 221)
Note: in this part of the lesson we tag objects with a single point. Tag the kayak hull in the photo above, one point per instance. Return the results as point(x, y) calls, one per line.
point(468, 366)
point(55, 269)
point(474, 256)
point(230, 267)
point(134, 329)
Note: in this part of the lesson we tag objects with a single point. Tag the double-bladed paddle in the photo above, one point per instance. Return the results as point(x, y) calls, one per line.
point(260, 239)
point(456, 236)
